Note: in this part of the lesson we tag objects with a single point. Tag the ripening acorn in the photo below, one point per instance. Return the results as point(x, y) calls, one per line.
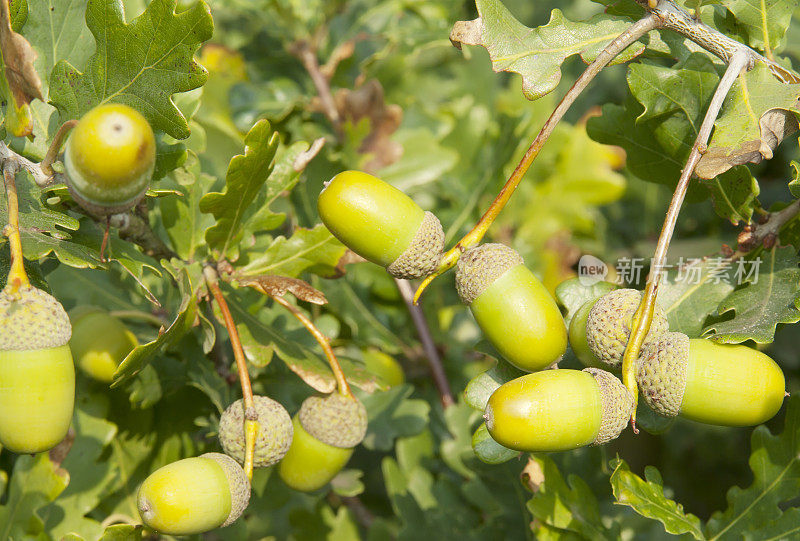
point(384, 366)
point(326, 429)
point(194, 495)
point(609, 323)
point(274, 431)
point(109, 159)
point(37, 376)
point(381, 224)
point(557, 410)
point(100, 342)
point(707, 382)
point(512, 307)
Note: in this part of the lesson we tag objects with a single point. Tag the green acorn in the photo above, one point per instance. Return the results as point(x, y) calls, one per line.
point(707, 382)
point(274, 431)
point(326, 429)
point(381, 224)
point(608, 325)
point(557, 410)
point(37, 376)
point(194, 495)
point(577, 336)
point(100, 342)
point(511, 306)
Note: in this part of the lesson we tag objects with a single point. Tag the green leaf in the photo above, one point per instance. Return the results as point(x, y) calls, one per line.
point(488, 450)
point(768, 298)
point(393, 415)
point(757, 114)
point(35, 482)
point(775, 462)
point(247, 173)
point(646, 497)
point(572, 294)
point(537, 53)
point(763, 22)
point(141, 64)
point(481, 387)
point(122, 532)
point(734, 194)
point(306, 249)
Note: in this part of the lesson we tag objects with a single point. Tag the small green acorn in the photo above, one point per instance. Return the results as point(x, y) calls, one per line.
point(326, 429)
point(194, 495)
point(707, 382)
point(608, 325)
point(274, 431)
point(557, 410)
point(381, 224)
point(109, 159)
point(384, 366)
point(100, 342)
point(577, 336)
point(37, 375)
point(511, 306)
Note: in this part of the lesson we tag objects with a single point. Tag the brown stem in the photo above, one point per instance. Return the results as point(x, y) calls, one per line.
point(619, 44)
point(17, 277)
point(341, 381)
point(754, 236)
point(251, 417)
point(644, 314)
point(308, 56)
point(136, 229)
point(55, 146)
point(424, 332)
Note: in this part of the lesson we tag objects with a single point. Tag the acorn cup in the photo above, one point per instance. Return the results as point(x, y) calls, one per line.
point(609, 324)
point(194, 495)
point(707, 382)
point(381, 224)
point(37, 376)
point(511, 306)
point(274, 431)
point(100, 342)
point(557, 410)
point(109, 159)
point(326, 429)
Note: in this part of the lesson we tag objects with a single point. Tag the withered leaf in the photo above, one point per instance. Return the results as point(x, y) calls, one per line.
point(18, 57)
point(279, 285)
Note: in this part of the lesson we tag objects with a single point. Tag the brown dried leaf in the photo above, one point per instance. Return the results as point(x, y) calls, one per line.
point(367, 101)
point(18, 57)
point(277, 286)
point(532, 475)
point(467, 32)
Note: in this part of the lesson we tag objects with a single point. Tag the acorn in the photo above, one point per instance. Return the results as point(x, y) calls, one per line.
point(109, 159)
point(100, 342)
point(381, 224)
point(557, 410)
point(37, 376)
point(512, 307)
point(384, 366)
point(274, 431)
point(577, 336)
point(609, 323)
point(707, 382)
point(326, 429)
point(194, 495)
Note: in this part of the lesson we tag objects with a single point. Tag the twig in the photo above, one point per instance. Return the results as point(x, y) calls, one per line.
point(362, 515)
point(55, 146)
point(39, 177)
point(619, 44)
point(341, 382)
point(250, 414)
point(17, 277)
point(137, 230)
point(308, 56)
point(644, 315)
point(757, 234)
point(434, 361)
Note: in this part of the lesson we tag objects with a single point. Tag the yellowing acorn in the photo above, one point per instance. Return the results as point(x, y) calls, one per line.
point(381, 224)
point(194, 495)
point(707, 382)
point(557, 410)
point(326, 429)
point(109, 159)
point(609, 323)
point(384, 366)
point(100, 342)
point(274, 431)
point(512, 307)
point(37, 376)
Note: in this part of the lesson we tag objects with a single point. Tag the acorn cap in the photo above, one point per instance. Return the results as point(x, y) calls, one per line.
point(480, 266)
point(32, 319)
point(335, 419)
point(274, 431)
point(617, 405)
point(661, 373)
point(423, 254)
point(237, 482)
point(608, 326)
